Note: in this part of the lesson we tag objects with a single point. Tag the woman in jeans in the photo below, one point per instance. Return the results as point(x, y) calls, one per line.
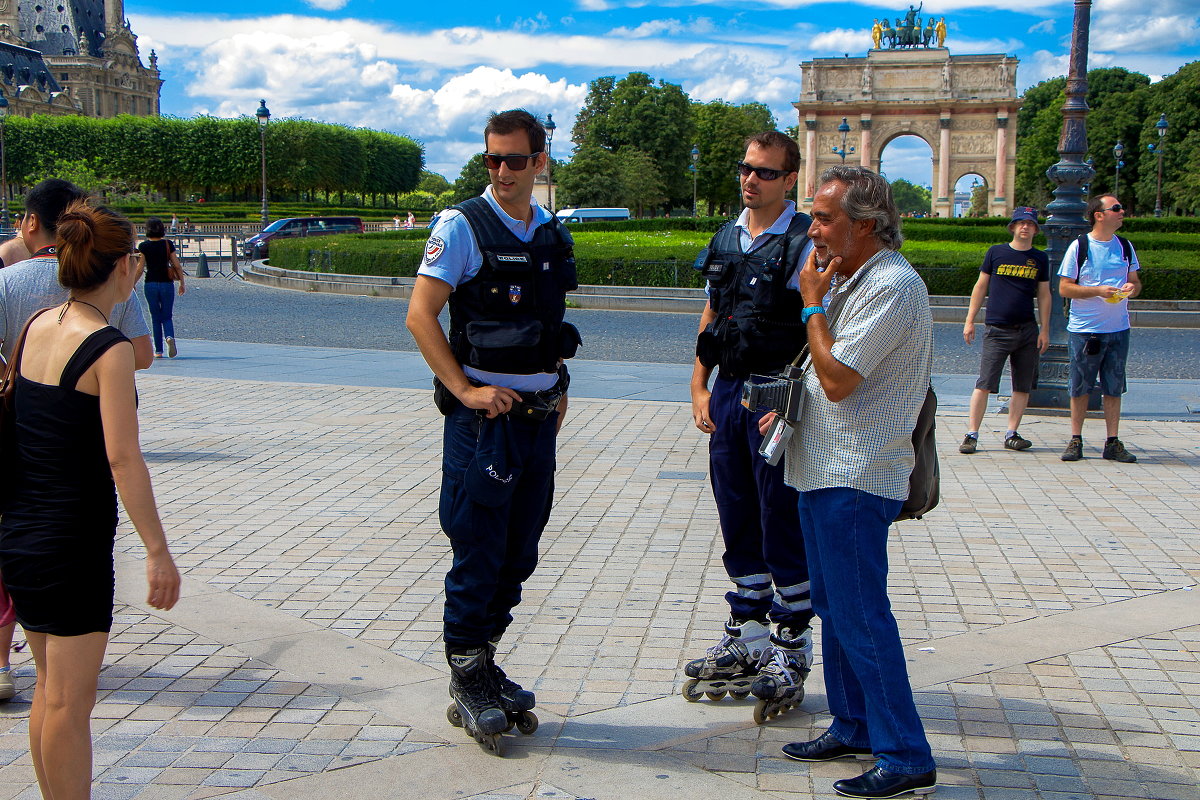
point(162, 270)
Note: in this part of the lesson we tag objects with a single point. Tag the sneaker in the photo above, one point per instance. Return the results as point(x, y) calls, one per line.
point(158, 355)
point(7, 689)
point(1073, 450)
point(172, 351)
point(968, 446)
point(1114, 450)
point(1017, 442)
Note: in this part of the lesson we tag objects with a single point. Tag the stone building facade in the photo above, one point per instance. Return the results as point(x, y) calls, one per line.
point(74, 57)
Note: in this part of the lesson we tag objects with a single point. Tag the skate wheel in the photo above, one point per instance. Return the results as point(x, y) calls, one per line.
point(493, 742)
point(690, 693)
point(760, 712)
point(453, 716)
point(527, 723)
point(714, 696)
point(739, 695)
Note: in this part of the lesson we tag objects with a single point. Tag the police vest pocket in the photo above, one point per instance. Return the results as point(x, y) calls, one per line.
point(496, 334)
point(569, 277)
point(569, 340)
point(510, 262)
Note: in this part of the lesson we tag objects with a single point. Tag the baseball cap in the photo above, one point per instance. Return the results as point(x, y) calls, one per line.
point(1022, 213)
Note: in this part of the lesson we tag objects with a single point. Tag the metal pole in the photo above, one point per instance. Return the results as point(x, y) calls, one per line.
point(3, 180)
point(1066, 221)
point(1158, 191)
point(262, 140)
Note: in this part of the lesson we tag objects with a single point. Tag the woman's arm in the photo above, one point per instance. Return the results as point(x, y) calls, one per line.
point(118, 412)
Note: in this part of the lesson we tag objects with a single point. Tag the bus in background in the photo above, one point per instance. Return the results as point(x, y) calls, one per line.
point(570, 215)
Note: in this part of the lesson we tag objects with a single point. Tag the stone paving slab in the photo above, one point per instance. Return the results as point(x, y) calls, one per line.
point(1048, 609)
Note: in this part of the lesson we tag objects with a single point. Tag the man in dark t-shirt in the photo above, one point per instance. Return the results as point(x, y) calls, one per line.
point(1011, 277)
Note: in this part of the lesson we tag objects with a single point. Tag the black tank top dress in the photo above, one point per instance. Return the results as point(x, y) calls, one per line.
point(60, 517)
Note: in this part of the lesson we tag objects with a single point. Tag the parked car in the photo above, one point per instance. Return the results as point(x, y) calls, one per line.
point(258, 245)
point(569, 215)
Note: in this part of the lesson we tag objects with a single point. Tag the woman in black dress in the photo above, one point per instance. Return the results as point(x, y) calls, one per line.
point(162, 270)
point(75, 443)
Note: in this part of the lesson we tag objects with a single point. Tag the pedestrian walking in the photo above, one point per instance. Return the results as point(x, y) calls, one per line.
point(162, 269)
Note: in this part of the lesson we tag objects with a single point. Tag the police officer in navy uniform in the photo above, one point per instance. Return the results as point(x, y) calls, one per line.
point(504, 265)
point(752, 325)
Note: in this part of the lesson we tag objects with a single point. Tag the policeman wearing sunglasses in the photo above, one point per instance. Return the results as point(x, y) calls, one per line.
point(753, 325)
point(504, 265)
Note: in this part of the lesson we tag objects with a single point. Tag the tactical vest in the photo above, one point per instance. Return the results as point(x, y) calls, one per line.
point(758, 327)
point(509, 316)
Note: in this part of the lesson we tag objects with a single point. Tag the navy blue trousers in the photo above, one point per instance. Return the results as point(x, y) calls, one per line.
point(760, 521)
point(495, 548)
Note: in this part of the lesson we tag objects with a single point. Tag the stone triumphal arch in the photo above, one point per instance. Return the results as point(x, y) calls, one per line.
point(964, 107)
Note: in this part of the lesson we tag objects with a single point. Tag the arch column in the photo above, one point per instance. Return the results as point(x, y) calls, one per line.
point(810, 159)
point(864, 141)
point(944, 200)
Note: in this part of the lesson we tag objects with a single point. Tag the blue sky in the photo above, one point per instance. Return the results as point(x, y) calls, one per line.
point(434, 71)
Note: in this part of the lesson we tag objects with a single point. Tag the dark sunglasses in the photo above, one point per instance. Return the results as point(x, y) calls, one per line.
point(763, 173)
point(515, 163)
point(1115, 207)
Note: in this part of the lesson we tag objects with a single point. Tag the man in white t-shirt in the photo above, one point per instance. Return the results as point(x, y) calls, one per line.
point(1099, 285)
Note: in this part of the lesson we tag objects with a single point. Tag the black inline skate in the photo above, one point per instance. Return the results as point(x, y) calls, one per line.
point(476, 705)
point(516, 701)
point(730, 666)
point(779, 686)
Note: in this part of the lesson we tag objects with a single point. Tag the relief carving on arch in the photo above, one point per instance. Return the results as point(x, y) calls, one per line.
point(972, 144)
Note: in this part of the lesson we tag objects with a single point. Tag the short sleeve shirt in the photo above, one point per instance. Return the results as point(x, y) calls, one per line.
point(883, 330)
point(31, 285)
point(452, 255)
point(750, 243)
point(1105, 265)
point(1013, 286)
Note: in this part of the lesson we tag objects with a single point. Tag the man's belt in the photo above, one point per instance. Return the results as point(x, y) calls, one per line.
point(538, 406)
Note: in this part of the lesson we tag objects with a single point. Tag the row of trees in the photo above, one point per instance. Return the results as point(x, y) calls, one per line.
point(1124, 108)
point(207, 156)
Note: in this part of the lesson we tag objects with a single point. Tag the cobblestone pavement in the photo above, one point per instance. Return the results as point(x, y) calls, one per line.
point(1052, 629)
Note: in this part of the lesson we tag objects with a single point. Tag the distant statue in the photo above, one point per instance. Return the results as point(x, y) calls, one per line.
point(910, 19)
point(889, 34)
point(946, 77)
point(941, 32)
point(83, 44)
point(929, 34)
point(876, 34)
point(153, 60)
point(1004, 72)
point(866, 79)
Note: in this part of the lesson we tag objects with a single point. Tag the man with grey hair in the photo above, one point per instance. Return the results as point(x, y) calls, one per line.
point(851, 458)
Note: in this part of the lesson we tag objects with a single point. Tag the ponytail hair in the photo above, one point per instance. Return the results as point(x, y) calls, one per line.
point(91, 240)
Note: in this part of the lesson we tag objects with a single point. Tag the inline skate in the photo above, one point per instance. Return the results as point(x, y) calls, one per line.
point(515, 701)
point(779, 686)
point(729, 666)
point(476, 706)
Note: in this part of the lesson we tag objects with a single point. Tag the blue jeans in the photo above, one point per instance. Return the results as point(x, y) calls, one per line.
point(865, 675)
point(495, 548)
point(1107, 363)
point(759, 520)
point(160, 296)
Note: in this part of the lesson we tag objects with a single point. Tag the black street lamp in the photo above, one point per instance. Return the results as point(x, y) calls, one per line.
point(1118, 154)
point(1162, 145)
point(695, 174)
point(3, 167)
point(264, 116)
point(844, 130)
point(550, 129)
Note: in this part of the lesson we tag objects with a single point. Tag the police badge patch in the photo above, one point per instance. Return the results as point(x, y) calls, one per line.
point(433, 249)
point(514, 294)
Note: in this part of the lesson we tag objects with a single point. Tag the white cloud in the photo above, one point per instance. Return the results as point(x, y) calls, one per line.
point(674, 27)
point(327, 5)
point(1156, 33)
point(1045, 26)
point(931, 7)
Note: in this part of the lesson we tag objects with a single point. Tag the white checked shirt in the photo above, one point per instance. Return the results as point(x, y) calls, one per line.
point(883, 330)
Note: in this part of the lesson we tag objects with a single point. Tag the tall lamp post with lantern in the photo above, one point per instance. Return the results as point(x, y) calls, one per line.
point(844, 130)
point(1161, 125)
point(550, 129)
point(264, 116)
point(1118, 154)
point(695, 174)
point(3, 167)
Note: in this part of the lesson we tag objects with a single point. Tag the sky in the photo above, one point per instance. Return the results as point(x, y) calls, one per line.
point(434, 72)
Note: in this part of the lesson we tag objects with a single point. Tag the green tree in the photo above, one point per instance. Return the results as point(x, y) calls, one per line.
point(472, 180)
point(641, 184)
point(911, 198)
point(979, 198)
point(592, 178)
point(433, 183)
point(721, 132)
point(1175, 96)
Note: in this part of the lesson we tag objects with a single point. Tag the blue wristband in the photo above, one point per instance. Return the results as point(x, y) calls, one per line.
point(808, 312)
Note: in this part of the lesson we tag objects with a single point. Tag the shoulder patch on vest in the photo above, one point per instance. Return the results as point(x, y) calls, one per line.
point(434, 248)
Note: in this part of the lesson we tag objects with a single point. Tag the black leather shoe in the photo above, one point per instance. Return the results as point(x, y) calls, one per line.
point(877, 783)
point(824, 748)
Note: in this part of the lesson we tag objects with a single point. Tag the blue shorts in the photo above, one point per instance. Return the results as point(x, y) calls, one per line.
point(1107, 363)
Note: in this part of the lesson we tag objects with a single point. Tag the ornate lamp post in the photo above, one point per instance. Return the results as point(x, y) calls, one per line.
point(1118, 154)
point(3, 167)
point(1066, 222)
point(550, 129)
point(264, 116)
point(1162, 145)
point(844, 130)
point(695, 174)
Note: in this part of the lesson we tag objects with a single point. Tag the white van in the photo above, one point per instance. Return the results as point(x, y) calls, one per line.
point(569, 215)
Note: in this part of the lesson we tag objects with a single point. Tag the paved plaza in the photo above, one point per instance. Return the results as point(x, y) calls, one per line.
point(1048, 610)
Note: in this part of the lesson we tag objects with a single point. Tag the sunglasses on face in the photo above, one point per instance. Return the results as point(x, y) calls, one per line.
point(515, 163)
point(1115, 207)
point(763, 173)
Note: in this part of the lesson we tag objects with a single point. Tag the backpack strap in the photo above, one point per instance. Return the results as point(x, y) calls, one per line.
point(1081, 253)
point(1126, 250)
